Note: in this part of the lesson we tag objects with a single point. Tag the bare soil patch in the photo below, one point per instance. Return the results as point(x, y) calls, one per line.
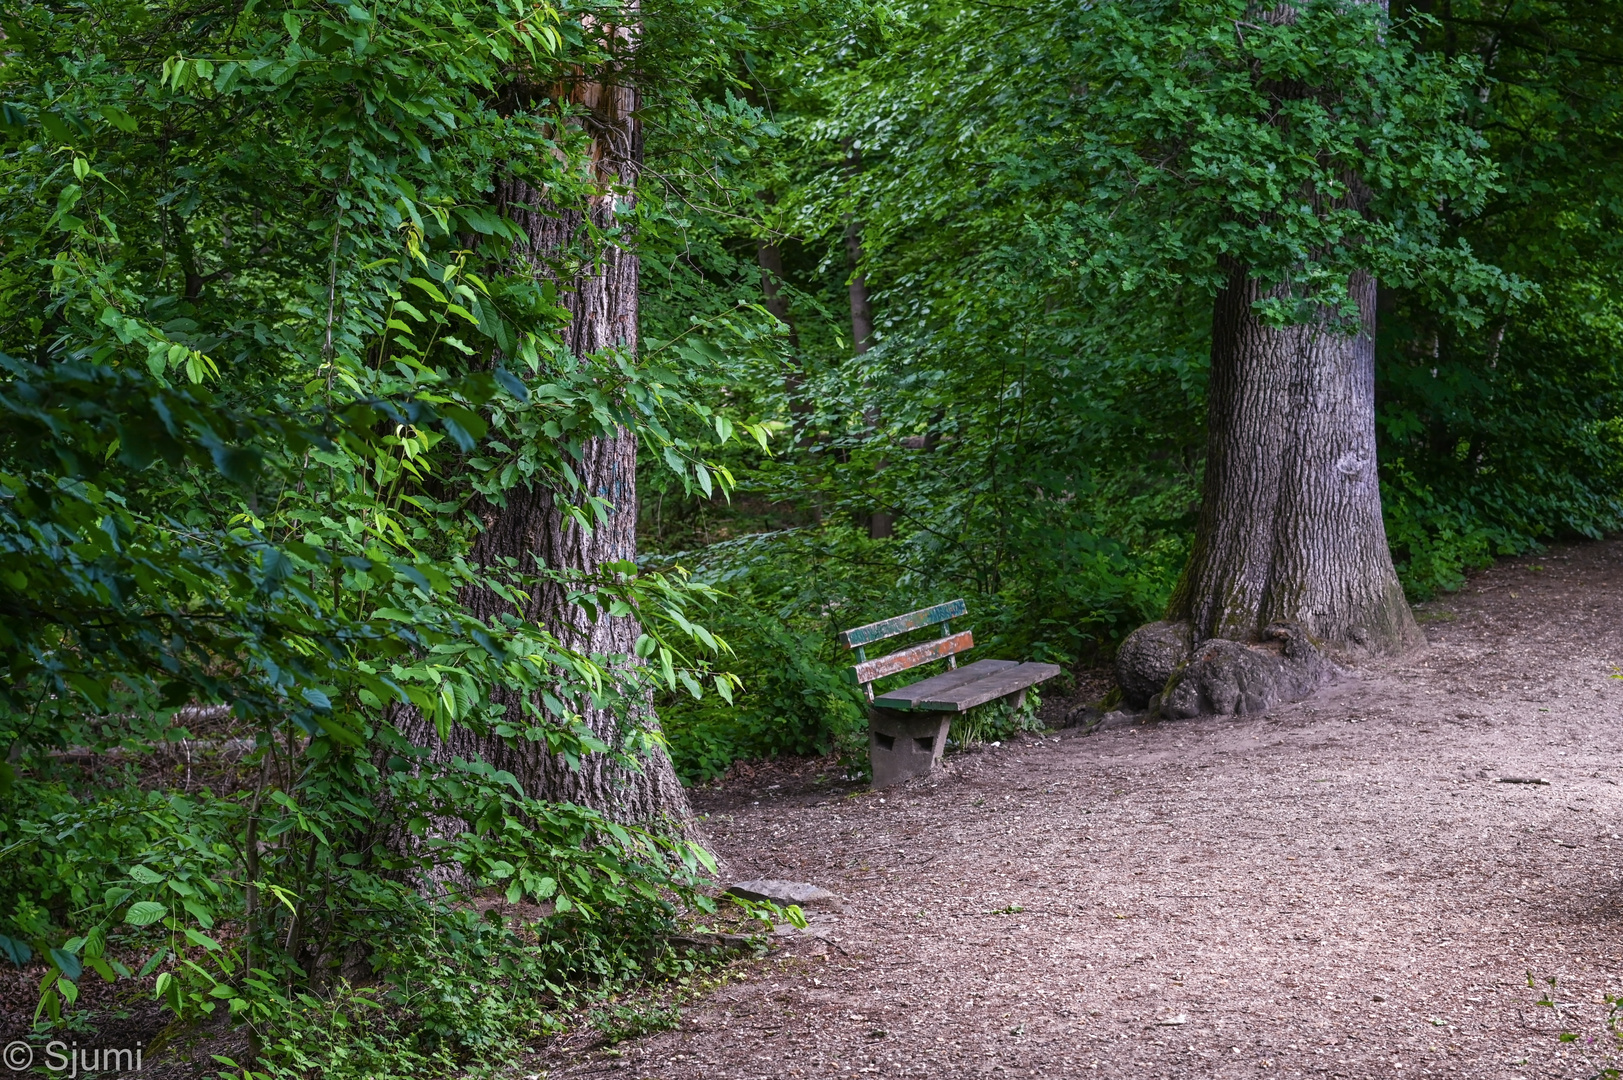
point(1340, 887)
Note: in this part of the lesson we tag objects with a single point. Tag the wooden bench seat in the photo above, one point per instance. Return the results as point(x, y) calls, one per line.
point(907, 727)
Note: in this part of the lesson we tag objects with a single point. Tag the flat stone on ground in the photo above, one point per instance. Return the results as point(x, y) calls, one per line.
point(783, 892)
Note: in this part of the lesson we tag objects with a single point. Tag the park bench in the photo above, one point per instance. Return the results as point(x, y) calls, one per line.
point(907, 727)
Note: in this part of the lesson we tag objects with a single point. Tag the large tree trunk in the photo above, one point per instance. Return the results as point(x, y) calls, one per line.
point(1290, 524)
point(602, 302)
point(1290, 552)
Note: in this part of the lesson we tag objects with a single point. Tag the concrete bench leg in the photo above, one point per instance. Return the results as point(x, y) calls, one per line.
point(902, 745)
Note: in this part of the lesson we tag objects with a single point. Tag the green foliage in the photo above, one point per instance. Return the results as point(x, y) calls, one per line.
point(797, 698)
point(621, 1022)
point(1176, 141)
point(795, 701)
point(153, 878)
point(1044, 201)
point(1496, 439)
point(997, 720)
point(267, 349)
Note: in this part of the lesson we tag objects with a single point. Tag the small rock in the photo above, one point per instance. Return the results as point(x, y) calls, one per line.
point(1088, 719)
point(785, 893)
point(715, 943)
point(1085, 717)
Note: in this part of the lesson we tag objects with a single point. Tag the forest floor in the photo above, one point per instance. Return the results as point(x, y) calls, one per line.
point(1342, 887)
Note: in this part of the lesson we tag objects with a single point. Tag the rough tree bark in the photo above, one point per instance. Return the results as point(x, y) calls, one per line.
point(1290, 525)
point(602, 302)
point(1290, 550)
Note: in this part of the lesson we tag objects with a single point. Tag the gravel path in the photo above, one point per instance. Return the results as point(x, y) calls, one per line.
point(1341, 888)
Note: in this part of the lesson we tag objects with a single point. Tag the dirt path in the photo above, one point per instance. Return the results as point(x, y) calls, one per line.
point(1340, 888)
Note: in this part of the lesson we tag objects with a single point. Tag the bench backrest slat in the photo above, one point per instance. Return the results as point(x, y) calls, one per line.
point(901, 624)
point(912, 656)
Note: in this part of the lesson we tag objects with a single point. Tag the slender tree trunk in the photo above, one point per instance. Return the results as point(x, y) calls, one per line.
point(769, 257)
point(880, 523)
point(602, 302)
point(861, 309)
point(1290, 524)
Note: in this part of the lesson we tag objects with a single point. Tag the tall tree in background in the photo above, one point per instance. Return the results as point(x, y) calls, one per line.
point(1280, 159)
point(879, 522)
point(769, 259)
point(1280, 166)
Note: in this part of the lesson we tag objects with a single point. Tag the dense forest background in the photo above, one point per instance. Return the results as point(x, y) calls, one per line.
point(1011, 435)
point(277, 353)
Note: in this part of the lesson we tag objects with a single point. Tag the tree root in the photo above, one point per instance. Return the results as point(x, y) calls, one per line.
point(1149, 657)
point(1159, 670)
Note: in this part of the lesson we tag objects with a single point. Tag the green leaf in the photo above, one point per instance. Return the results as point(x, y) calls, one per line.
point(464, 425)
point(120, 119)
point(200, 913)
point(145, 913)
point(428, 287)
point(66, 963)
point(692, 685)
point(167, 990)
point(17, 951)
point(197, 937)
point(512, 384)
point(153, 961)
point(480, 220)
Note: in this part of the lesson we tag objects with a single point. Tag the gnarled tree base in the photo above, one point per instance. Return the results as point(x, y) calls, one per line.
point(1149, 658)
point(1219, 677)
